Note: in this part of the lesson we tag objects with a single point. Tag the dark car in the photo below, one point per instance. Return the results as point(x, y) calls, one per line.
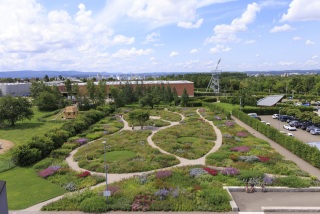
point(309, 128)
point(295, 123)
point(290, 118)
point(304, 125)
point(283, 118)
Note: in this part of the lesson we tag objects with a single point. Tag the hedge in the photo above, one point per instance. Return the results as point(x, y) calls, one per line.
point(41, 147)
point(308, 153)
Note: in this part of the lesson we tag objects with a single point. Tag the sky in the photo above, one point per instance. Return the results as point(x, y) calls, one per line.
point(135, 36)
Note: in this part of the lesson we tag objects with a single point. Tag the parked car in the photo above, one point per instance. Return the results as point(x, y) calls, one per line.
point(268, 124)
point(289, 127)
point(275, 116)
point(283, 118)
point(286, 133)
point(315, 131)
point(253, 114)
point(294, 123)
point(309, 128)
point(304, 125)
point(290, 118)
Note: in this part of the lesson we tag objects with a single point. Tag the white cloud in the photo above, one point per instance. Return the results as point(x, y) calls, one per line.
point(152, 58)
point(311, 62)
point(129, 53)
point(190, 25)
point(250, 42)
point(152, 37)
point(284, 63)
point(227, 33)
point(156, 13)
point(309, 42)
point(302, 10)
point(282, 28)
point(297, 38)
point(219, 48)
point(195, 50)
point(315, 56)
point(173, 54)
point(120, 39)
point(257, 55)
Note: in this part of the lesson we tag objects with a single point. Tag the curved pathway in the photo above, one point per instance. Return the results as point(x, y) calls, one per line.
point(117, 177)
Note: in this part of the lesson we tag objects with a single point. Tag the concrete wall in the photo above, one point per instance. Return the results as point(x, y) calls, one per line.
point(3, 198)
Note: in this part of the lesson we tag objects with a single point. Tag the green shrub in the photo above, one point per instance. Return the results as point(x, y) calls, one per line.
point(247, 174)
point(94, 135)
point(95, 204)
point(43, 163)
point(292, 181)
point(24, 155)
point(60, 153)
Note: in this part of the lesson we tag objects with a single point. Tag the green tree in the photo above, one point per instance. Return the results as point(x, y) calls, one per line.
point(46, 78)
point(13, 109)
point(91, 89)
point(139, 116)
point(38, 87)
point(101, 92)
point(118, 97)
point(149, 99)
point(68, 86)
point(46, 101)
point(184, 98)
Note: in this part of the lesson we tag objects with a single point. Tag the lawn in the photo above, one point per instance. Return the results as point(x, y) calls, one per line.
point(24, 130)
point(25, 188)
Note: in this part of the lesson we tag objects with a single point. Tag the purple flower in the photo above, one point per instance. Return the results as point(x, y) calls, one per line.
point(230, 171)
point(240, 149)
point(48, 171)
point(229, 123)
point(242, 134)
point(217, 118)
point(82, 141)
point(163, 174)
point(162, 193)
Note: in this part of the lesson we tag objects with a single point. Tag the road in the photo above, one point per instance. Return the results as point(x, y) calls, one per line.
point(299, 134)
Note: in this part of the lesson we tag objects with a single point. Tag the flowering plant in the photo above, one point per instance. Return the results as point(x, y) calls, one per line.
point(142, 202)
point(240, 149)
point(163, 174)
point(263, 159)
point(48, 171)
point(84, 174)
point(230, 171)
point(211, 171)
point(242, 134)
point(229, 123)
point(195, 172)
point(217, 118)
point(82, 141)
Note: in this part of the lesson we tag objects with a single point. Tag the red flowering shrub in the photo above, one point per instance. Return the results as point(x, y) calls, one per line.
point(263, 159)
point(211, 171)
point(84, 174)
point(163, 174)
point(48, 171)
point(240, 149)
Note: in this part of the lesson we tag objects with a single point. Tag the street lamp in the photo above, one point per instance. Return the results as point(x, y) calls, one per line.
point(279, 118)
point(106, 193)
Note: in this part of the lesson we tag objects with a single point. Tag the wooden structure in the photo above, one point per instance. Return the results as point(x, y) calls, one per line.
point(71, 112)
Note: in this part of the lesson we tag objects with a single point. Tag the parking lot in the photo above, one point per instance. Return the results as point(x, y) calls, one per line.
point(299, 134)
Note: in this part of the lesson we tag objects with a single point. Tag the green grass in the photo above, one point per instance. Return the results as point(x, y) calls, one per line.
point(24, 130)
point(25, 188)
point(118, 155)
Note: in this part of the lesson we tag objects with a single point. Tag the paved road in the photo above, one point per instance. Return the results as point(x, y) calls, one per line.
point(299, 134)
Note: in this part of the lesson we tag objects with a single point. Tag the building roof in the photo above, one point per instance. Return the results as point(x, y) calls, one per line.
point(71, 108)
point(130, 82)
point(269, 100)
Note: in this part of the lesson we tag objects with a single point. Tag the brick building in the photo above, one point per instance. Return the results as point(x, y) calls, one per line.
point(179, 85)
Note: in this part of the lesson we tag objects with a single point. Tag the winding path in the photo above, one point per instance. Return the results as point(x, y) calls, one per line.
point(117, 177)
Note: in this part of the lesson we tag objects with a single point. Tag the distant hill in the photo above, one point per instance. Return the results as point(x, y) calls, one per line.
point(41, 74)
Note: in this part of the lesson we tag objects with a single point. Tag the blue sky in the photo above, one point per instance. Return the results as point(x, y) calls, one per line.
point(134, 36)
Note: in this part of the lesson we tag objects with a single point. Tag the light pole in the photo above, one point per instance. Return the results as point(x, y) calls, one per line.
point(279, 118)
point(106, 193)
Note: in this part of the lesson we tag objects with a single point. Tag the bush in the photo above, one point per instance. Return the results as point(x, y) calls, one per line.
point(60, 153)
point(24, 155)
point(51, 170)
point(292, 181)
point(95, 204)
point(163, 174)
point(247, 174)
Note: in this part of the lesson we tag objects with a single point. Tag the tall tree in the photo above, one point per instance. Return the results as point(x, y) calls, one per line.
point(139, 116)
point(91, 89)
point(13, 109)
point(46, 78)
point(68, 85)
point(101, 92)
point(184, 98)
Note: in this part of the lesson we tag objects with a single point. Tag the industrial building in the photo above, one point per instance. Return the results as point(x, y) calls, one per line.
point(15, 89)
point(179, 85)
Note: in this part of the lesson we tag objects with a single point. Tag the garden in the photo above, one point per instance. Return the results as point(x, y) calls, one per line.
point(242, 158)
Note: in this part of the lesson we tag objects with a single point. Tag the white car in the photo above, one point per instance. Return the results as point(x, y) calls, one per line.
point(290, 128)
point(286, 133)
point(262, 121)
point(275, 116)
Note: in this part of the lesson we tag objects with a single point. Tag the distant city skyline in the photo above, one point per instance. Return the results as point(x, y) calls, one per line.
point(138, 36)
